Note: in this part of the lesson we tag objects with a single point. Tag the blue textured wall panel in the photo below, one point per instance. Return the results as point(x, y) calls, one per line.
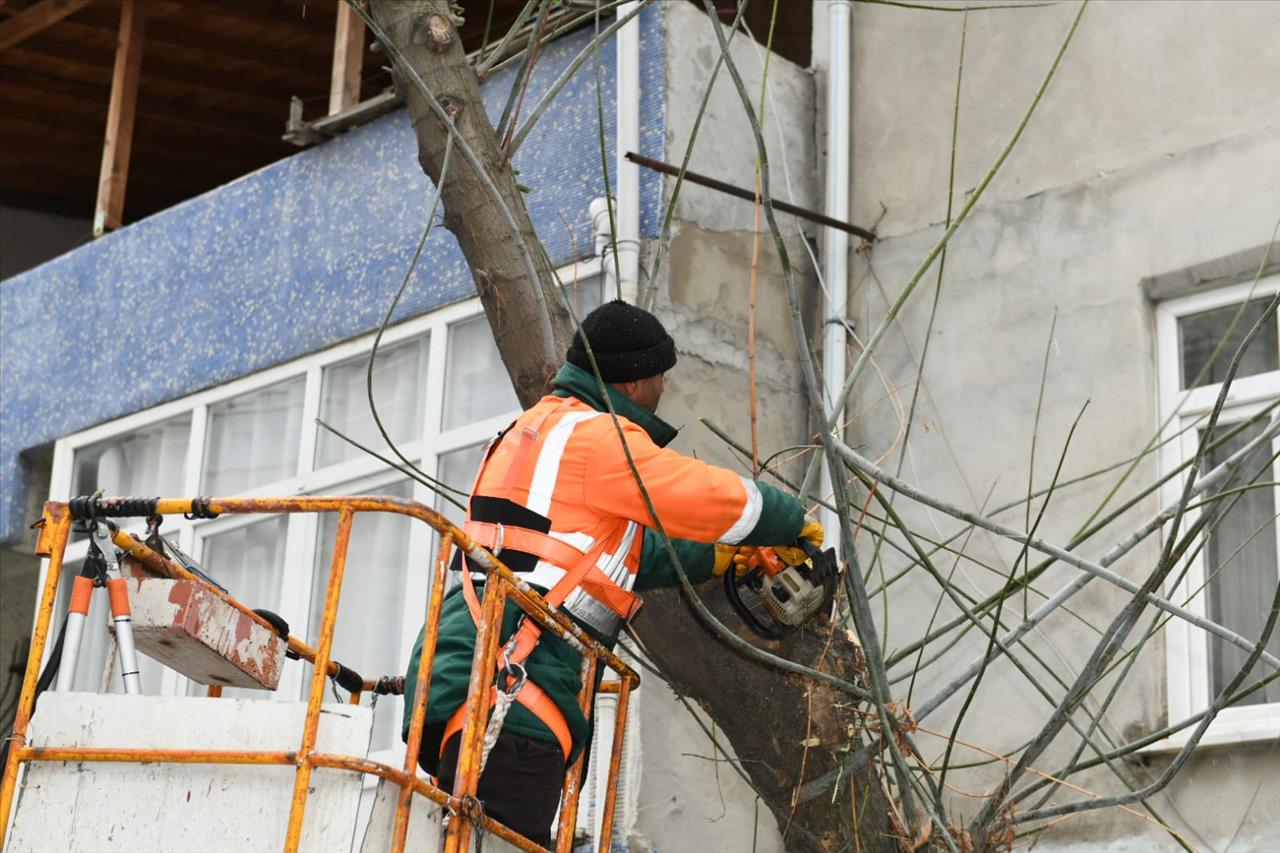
point(283, 262)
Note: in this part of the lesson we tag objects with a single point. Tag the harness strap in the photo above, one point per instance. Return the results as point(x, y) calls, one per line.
point(580, 570)
point(603, 589)
point(528, 435)
point(505, 537)
point(522, 644)
point(532, 697)
point(500, 537)
point(526, 637)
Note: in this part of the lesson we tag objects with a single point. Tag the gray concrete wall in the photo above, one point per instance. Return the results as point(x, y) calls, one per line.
point(1156, 148)
point(686, 801)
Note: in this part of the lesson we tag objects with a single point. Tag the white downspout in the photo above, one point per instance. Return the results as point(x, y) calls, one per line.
point(836, 246)
point(602, 237)
point(606, 719)
point(627, 240)
point(626, 173)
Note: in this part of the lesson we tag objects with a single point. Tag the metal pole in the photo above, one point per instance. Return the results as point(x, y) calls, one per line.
point(319, 672)
point(77, 612)
point(749, 195)
point(605, 833)
point(836, 249)
point(122, 619)
point(466, 776)
point(418, 713)
point(53, 541)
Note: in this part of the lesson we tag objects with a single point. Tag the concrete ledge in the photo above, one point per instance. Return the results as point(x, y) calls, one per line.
point(1220, 272)
point(176, 808)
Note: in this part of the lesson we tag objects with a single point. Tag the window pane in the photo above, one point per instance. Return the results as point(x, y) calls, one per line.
point(476, 383)
point(249, 562)
point(370, 610)
point(1241, 567)
point(399, 376)
point(458, 469)
point(253, 439)
point(587, 294)
point(1200, 334)
point(148, 462)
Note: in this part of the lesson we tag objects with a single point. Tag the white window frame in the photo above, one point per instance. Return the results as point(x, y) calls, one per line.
point(350, 477)
point(1187, 659)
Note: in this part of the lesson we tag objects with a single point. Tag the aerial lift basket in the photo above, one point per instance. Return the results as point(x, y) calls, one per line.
point(465, 815)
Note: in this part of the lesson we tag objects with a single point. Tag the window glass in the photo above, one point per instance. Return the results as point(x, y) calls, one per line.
point(476, 382)
point(458, 469)
point(249, 562)
point(399, 377)
point(1241, 567)
point(585, 295)
point(151, 461)
point(253, 439)
point(367, 637)
point(1201, 334)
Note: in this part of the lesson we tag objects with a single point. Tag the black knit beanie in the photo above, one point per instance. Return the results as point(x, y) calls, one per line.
point(629, 343)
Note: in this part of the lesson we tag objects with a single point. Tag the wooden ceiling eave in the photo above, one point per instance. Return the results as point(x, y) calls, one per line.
point(213, 92)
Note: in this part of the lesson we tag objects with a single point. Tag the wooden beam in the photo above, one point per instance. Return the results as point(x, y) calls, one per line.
point(348, 59)
point(36, 18)
point(108, 213)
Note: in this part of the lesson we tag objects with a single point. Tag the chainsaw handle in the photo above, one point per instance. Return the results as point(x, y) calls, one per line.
point(760, 629)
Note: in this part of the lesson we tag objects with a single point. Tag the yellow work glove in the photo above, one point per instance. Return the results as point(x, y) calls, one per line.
point(794, 556)
point(734, 555)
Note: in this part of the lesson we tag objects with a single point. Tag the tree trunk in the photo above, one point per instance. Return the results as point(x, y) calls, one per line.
point(425, 34)
point(767, 716)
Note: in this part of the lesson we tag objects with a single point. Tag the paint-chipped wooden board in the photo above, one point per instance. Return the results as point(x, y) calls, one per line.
point(177, 808)
point(187, 628)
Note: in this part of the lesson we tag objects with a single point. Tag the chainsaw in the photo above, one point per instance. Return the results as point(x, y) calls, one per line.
point(773, 598)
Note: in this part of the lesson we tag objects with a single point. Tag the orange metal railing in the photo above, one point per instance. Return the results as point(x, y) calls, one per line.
point(461, 802)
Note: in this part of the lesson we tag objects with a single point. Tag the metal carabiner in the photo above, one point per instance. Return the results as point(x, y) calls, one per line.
point(512, 670)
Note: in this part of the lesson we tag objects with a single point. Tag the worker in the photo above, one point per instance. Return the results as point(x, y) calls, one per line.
point(556, 498)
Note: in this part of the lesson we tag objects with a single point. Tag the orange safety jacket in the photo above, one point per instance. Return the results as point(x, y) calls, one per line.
point(557, 500)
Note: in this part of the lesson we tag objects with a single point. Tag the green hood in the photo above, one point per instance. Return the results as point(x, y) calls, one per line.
point(573, 381)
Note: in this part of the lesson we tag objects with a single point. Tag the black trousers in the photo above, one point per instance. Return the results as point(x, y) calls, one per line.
point(520, 786)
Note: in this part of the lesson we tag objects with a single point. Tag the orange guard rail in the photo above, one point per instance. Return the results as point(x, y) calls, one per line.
point(461, 803)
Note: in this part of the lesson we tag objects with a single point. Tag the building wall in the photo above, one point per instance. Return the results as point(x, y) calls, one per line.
point(1156, 149)
point(282, 262)
point(688, 801)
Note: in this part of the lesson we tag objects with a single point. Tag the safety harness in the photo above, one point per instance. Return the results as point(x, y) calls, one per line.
point(580, 573)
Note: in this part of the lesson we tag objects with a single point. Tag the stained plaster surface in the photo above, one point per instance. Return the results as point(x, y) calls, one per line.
point(287, 260)
point(686, 801)
point(1069, 261)
point(723, 145)
point(1141, 79)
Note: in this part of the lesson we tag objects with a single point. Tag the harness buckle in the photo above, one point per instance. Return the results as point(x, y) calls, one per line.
point(497, 547)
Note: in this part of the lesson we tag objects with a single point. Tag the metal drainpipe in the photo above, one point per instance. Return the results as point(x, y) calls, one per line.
point(606, 718)
point(836, 249)
point(627, 174)
point(602, 237)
